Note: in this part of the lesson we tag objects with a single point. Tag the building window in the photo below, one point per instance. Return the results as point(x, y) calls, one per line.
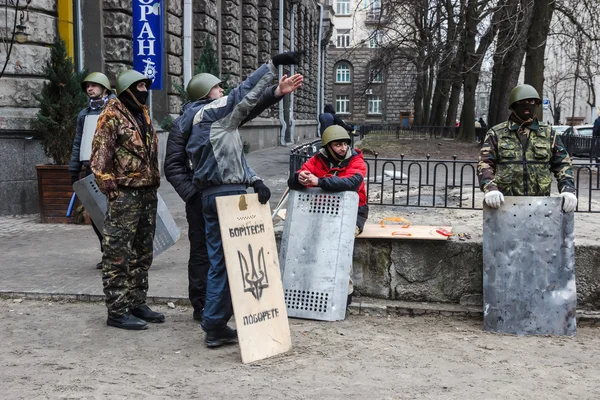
point(342, 38)
point(342, 7)
point(375, 76)
point(373, 8)
point(342, 104)
point(376, 39)
point(342, 73)
point(375, 104)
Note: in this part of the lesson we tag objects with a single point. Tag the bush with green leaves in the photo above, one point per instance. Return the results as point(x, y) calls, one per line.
point(60, 100)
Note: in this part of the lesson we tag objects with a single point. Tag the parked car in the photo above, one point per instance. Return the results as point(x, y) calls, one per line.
point(579, 142)
point(560, 129)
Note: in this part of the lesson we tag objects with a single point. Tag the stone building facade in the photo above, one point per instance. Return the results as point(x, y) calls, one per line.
point(245, 34)
point(360, 90)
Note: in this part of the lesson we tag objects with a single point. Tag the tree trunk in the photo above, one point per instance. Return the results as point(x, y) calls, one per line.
point(536, 46)
point(508, 57)
point(453, 104)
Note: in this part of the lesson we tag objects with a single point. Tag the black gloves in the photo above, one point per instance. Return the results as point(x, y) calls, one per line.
point(74, 178)
point(264, 194)
point(291, 57)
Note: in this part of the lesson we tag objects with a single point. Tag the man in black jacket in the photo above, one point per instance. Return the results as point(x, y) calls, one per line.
point(329, 118)
point(179, 173)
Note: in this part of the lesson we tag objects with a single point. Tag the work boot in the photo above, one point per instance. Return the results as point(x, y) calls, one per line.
point(99, 265)
point(221, 336)
point(199, 314)
point(127, 321)
point(144, 312)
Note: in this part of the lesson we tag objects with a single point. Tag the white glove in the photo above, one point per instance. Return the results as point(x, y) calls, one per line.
point(569, 201)
point(494, 198)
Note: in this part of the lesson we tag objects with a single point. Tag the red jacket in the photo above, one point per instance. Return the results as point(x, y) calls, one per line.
point(348, 175)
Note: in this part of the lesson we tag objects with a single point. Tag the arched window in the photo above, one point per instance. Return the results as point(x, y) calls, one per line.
point(342, 73)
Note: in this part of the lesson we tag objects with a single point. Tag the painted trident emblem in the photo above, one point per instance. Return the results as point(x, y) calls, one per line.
point(254, 277)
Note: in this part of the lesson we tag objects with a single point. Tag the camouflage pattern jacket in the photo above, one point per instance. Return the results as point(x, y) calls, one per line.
point(121, 156)
point(517, 169)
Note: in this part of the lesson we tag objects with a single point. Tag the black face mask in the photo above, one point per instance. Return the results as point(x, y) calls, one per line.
point(520, 109)
point(133, 99)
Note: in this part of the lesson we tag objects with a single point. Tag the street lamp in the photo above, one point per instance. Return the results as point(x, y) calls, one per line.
point(18, 31)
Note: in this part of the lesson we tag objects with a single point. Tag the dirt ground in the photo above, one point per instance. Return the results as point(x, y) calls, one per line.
point(65, 350)
point(417, 148)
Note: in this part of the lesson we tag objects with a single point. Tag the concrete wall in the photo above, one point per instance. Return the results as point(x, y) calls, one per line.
point(448, 272)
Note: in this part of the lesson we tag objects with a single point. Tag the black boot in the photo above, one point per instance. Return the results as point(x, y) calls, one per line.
point(221, 336)
point(144, 312)
point(99, 265)
point(127, 321)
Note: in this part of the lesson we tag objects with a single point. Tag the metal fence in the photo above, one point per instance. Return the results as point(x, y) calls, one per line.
point(444, 183)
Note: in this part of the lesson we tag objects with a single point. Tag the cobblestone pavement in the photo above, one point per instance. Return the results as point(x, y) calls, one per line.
point(61, 258)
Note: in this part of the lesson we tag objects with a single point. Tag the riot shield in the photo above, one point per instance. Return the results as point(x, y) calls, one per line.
point(166, 234)
point(529, 267)
point(316, 253)
point(89, 128)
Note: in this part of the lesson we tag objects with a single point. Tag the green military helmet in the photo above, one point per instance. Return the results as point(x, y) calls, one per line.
point(200, 85)
point(522, 92)
point(96, 77)
point(128, 78)
point(334, 133)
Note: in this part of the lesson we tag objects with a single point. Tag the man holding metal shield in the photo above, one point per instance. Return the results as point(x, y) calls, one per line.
point(125, 164)
point(518, 156)
point(97, 86)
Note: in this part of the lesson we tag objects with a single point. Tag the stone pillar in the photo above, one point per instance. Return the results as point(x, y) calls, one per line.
point(174, 50)
point(206, 22)
point(117, 32)
point(249, 37)
point(231, 46)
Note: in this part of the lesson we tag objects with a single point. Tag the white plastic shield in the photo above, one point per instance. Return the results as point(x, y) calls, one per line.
point(93, 200)
point(89, 128)
point(529, 267)
point(316, 253)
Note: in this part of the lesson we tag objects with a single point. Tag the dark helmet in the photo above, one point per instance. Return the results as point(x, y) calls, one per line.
point(200, 85)
point(522, 92)
point(130, 77)
point(96, 77)
point(334, 133)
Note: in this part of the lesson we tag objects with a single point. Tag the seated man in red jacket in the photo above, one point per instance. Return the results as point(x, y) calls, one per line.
point(336, 168)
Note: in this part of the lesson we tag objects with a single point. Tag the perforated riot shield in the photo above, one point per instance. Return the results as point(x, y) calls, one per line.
point(316, 253)
point(529, 267)
point(166, 234)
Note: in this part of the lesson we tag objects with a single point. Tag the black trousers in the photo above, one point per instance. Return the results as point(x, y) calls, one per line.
point(198, 263)
point(87, 172)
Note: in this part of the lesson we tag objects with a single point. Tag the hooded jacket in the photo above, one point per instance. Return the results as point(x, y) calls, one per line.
point(329, 118)
point(215, 146)
point(178, 168)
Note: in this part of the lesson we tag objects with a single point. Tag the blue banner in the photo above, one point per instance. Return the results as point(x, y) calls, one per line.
point(148, 39)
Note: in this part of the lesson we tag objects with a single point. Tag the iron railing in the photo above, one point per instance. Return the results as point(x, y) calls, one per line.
point(444, 183)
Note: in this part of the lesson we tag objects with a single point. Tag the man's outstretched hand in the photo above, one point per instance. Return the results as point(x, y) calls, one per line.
point(291, 57)
point(288, 85)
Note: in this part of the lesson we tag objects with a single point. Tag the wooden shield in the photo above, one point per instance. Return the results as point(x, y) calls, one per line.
point(254, 277)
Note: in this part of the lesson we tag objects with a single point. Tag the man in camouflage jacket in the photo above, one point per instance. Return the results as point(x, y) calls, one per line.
point(124, 161)
point(518, 156)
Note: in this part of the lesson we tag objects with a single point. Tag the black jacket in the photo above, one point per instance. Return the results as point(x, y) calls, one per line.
point(177, 167)
point(329, 118)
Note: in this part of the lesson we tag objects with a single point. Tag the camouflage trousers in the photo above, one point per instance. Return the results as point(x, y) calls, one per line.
point(128, 236)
